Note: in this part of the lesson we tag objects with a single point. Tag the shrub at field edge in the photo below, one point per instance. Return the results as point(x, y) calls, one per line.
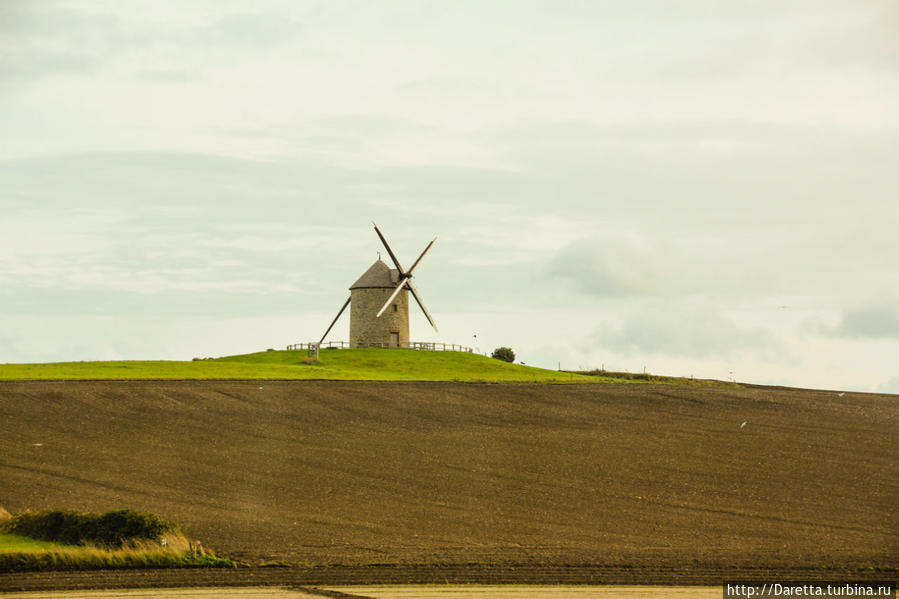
point(115, 540)
point(113, 529)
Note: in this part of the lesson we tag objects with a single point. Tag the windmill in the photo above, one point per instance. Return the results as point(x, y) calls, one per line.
point(388, 289)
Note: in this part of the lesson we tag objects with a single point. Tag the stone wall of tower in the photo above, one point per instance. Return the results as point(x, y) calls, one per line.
point(366, 327)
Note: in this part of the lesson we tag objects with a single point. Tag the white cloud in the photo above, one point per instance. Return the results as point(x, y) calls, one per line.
point(878, 318)
point(612, 265)
point(891, 386)
point(667, 330)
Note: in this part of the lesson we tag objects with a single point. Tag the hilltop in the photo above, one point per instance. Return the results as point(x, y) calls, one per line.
point(335, 365)
point(338, 364)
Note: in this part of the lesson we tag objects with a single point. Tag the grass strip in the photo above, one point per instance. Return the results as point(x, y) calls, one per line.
point(337, 364)
point(91, 558)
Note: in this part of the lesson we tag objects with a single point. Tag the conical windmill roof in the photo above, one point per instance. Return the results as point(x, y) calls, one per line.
point(378, 275)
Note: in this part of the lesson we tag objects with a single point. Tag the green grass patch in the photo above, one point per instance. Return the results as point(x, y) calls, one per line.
point(337, 364)
point(10, 543)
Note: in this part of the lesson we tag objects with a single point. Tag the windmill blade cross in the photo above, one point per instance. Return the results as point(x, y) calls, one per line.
point(389, 251)
point(421, 305)
point(333, 322)
point(403, 281)
point(422, 255)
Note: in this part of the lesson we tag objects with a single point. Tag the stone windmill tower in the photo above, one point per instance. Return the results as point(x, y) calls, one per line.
point(379, 316)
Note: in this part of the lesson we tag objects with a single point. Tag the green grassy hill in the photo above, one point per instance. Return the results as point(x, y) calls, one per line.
point(338, 364)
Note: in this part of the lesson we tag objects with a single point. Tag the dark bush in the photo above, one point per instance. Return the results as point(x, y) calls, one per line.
point(116, 528)
point(112, 529)
point(504, 353)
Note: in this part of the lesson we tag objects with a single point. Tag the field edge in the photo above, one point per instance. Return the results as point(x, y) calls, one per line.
point(419, 574)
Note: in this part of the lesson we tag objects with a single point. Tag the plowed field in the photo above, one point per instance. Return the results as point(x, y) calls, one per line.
point(426, 473)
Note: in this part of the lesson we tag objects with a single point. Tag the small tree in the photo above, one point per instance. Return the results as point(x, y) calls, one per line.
point(504, 353)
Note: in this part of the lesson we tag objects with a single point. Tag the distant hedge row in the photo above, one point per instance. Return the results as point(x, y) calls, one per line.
point(113, 529)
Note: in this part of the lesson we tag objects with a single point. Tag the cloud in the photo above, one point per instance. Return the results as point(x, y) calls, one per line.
point(168, 42)
point(38, 39)
point(891, 386)
point(641, 261)
point(878, 318)
point(679, 331)
point(610, 265)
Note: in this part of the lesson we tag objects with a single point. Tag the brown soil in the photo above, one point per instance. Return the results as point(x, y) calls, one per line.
point(322, 576)
point(646, 477)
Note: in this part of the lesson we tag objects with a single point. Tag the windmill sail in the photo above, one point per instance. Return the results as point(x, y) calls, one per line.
point(405, 277)
point(333, 322)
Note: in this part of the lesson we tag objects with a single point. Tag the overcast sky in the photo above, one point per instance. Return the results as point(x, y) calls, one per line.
point(705, 187)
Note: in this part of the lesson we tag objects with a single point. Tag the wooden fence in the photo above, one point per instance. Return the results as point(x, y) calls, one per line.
point(419, 345)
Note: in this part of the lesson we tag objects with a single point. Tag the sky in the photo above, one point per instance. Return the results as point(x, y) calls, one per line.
point(694, 188)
